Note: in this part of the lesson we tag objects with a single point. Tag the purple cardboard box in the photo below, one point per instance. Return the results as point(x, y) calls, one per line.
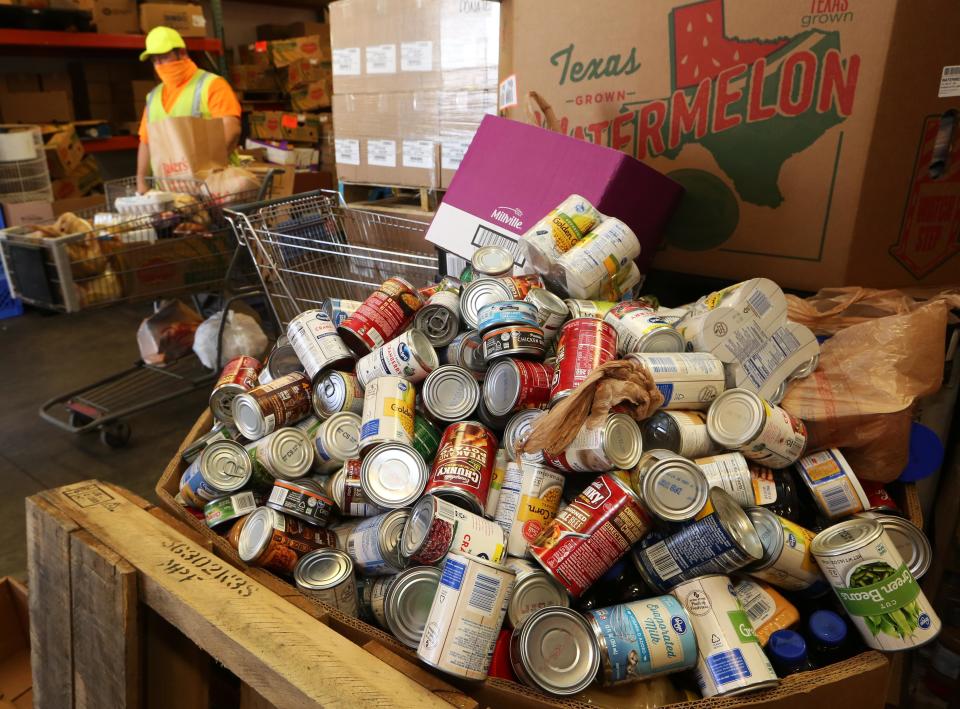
point(514, 173)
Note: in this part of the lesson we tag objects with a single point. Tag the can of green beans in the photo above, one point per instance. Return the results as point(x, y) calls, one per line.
point(875, 586)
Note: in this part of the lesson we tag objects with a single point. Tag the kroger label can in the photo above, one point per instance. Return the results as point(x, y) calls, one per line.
point(584, 344)
point(239, 375)
point(339, 309)
point(410, 356)
point(374, 543)
point(643, 639)
point(381, 317)
point(466, 616)
point(641, 329)
point(833, 484)
point(606, 249)
point(787, 561)
point(730, 659)
point(740, 420)
point(529, 499)
point(388, 410)
point(318, 346)
point(558, 232)
point(874, 585)
point(730, 472)
point(437, 527)
point(687, 380)
point(590, 534)
point(463, 466)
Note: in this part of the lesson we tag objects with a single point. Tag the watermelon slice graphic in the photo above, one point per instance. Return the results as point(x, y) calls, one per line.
point(700, 48)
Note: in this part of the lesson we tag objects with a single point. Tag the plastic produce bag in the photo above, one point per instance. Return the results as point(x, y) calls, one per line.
point(870, 374)
point(168, 334)
point(242, 336)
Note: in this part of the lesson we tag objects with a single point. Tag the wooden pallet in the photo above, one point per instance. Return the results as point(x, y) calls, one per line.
point(127, 607)
point(400, 200)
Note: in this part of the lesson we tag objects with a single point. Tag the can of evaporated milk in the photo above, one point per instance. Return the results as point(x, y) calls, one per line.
point(535, 589)
point(730, 472)
point(529, 499)
point(463, 466)
point(450, 394)
point(591, 533)
point(339, 309)
point(346, 491)
point(276, 542)
point(223, 467)
point(607, 248)
point(724, 540)
point(406, 606)
point(409, 356)
point(337, 440)
point(874, 585)
point(787, 561)
point(673, 488)
point(285, 454)
point(388, 408)
point(740, 420)
point(506, 312)
point(478, 293)
point(327, 576)
point(437, 527)
point(492, 261)
point(616, 445)
point(266, 408)
point(683, 432)
point(730, 660)
point(393, 475)
point(642, 639)
point(381, 317)
point(584, 344)
point(516, 384)
point(641, 329)
point(466, 616)
point(334, 392)
point(231, 507)
point(552, 312)
point(304, 499)
point(558, 232)
point(513, 341)
point(554, 650)
point(318, 346)
point(687, 380)
point(832, 484)
point(439, 318)
point(374, 543)
point(239, 376)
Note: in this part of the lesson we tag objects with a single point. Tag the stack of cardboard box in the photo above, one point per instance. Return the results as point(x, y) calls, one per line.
point(411, 82)
point(73, 174)
point(109, 16)
point(185, 18)
point(35, 98)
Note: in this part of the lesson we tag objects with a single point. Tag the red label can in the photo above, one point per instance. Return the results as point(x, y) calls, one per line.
point(589, 535)
point(584, 344)
point(381, 317)
point(879, 498)
point(517, 384)
point(238, 377)
point(463, 466)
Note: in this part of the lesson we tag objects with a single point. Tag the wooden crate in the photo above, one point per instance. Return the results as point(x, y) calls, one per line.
point(861, 679)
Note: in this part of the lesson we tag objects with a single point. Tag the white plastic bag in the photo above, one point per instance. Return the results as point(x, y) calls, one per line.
point(241, 336)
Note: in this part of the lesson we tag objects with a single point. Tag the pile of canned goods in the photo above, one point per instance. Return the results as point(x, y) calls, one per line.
point(375, 459)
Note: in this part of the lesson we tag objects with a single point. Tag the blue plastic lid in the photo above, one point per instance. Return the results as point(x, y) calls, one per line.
point(787, 646)
point(614, 571)
point(827, 627)
point(926, 454)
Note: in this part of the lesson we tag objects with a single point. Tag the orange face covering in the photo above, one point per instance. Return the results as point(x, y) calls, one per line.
point(176, 73)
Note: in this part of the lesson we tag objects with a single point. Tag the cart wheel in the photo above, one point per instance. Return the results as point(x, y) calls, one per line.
point(77, 420)
point(115, 435)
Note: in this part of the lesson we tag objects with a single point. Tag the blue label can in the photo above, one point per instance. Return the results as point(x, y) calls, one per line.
point(643, 639)
point(506, 312)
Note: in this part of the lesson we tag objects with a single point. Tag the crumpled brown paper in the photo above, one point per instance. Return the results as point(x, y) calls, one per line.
point(869, 376)
point(623, 382)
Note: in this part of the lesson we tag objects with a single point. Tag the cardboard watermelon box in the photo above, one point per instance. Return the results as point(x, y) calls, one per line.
point(817, 140)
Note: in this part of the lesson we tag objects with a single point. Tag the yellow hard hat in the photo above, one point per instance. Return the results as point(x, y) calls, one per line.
point(162, 40)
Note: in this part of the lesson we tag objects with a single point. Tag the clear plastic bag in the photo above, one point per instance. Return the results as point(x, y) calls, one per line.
point(241, 336)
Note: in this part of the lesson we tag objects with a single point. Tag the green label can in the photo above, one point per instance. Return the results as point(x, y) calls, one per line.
point(874, 585)
point(426, 438)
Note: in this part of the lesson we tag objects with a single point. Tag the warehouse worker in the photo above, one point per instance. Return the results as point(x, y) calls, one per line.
point(186, 90)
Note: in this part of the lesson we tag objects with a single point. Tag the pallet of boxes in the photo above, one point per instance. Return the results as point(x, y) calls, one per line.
point(411, 82)
point(73, 174)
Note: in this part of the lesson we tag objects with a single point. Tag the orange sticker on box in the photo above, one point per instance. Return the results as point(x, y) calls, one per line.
point(288, 120)
point(260, 46)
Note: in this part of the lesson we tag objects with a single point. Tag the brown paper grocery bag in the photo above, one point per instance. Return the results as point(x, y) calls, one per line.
point(183, 146)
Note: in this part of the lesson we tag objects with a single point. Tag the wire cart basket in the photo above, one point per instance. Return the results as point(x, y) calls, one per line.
point(186, 247)
point(308, 248)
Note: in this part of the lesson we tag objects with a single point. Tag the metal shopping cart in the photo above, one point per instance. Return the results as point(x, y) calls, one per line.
point(308, 248)
point(185, 248)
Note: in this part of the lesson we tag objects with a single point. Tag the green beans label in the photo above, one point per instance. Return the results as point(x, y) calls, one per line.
point(886, 599)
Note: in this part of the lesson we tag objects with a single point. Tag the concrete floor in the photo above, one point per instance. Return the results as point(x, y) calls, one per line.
point(42, 356)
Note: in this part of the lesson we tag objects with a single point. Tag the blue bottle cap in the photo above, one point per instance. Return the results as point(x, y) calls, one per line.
point(788, 647)
point(614, 571)
point(926, 454)
point(827, 627)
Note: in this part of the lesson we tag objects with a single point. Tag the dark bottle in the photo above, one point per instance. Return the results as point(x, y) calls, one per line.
point(827, 633)
point(777, 490)
point(682, 432)
point(787, 651)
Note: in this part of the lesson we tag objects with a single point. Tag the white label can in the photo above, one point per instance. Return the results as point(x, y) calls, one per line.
point(315, 340)
point(731, 472)
point(409, 356)
point(466, 616)
point(687, 380)
point(529, 499)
